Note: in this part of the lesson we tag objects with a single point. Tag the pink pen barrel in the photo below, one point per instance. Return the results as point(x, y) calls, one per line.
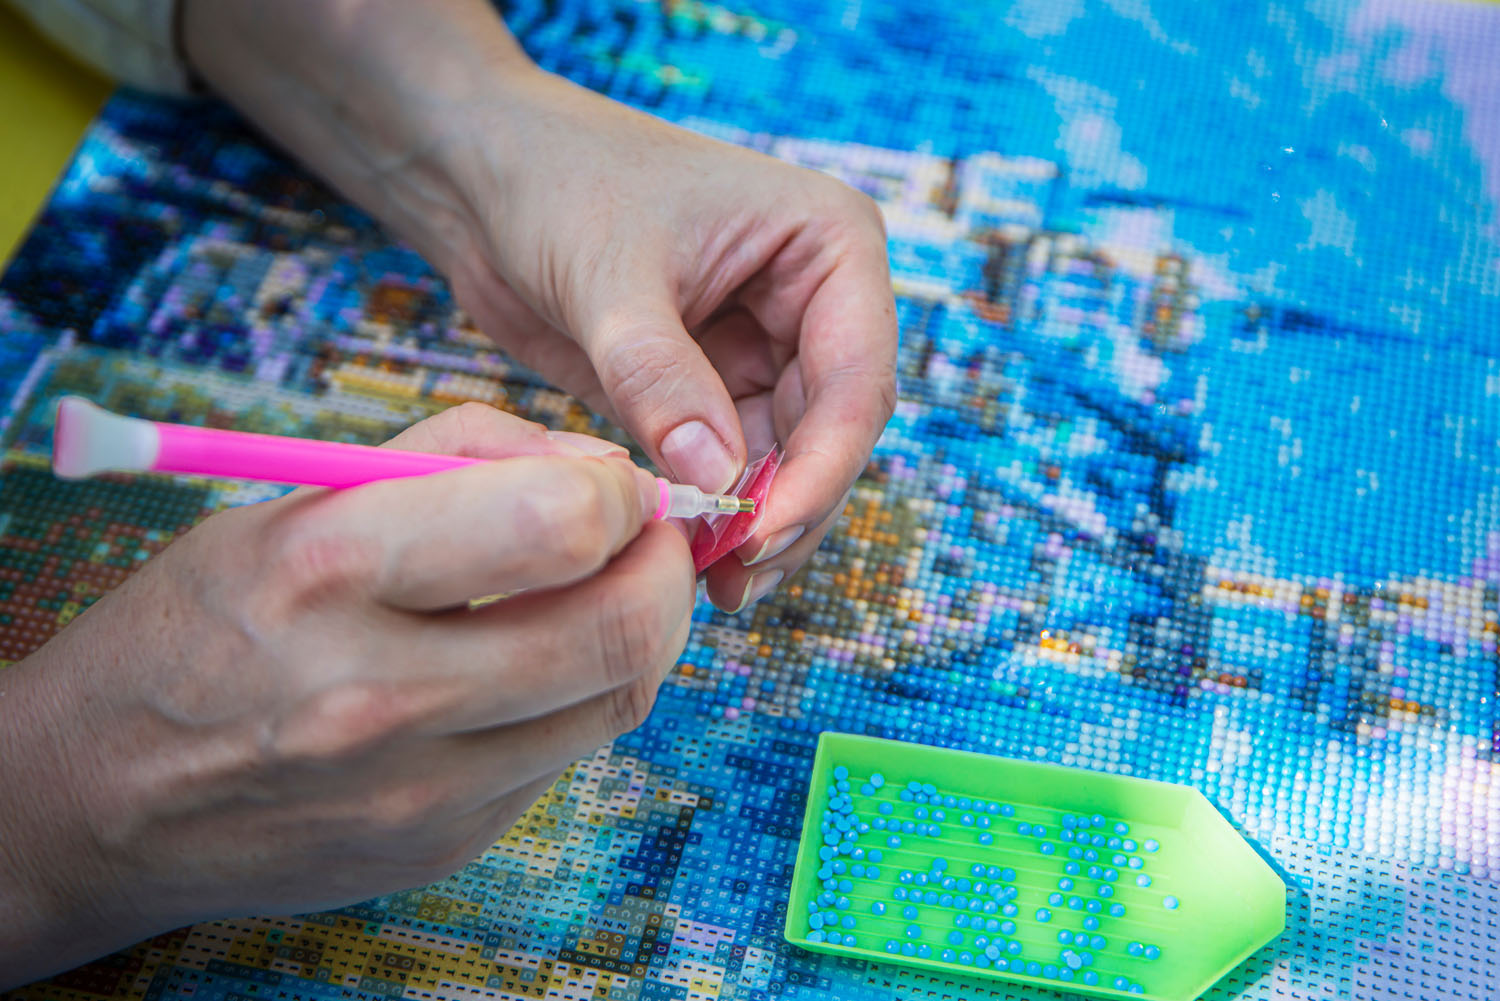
point(196, 451)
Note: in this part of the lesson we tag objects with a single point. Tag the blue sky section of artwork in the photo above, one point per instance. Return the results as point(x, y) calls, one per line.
point(1338, 170)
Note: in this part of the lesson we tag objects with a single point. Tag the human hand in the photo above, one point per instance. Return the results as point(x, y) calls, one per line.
point(293, 708)
point(711, 299)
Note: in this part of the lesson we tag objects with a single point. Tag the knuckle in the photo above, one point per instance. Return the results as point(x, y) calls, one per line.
point(631, 639)
point(866, 207)
point(306, 569)
point(403, 807)
point(637, 370)
point(351, 720)
point(571, 515)
point(470, 412)
point(851, 203)
point(469, 421)
point(630, 705)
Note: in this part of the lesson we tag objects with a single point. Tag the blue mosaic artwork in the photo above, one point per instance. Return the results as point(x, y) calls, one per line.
point(1193, 475)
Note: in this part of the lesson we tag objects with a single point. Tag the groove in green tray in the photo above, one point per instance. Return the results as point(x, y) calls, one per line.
point(988, 866)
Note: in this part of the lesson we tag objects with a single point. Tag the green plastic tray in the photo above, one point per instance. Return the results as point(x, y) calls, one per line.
point(1080, 881)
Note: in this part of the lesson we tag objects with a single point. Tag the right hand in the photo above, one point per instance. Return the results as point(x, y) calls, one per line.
point(292, 708)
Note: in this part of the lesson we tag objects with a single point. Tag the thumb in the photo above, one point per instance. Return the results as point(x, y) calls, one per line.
point(666, 393)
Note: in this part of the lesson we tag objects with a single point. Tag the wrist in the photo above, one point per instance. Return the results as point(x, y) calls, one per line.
point(382, 98)
point(52, 887)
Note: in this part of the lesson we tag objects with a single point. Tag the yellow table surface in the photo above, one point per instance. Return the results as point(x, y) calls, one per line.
point(46, 102)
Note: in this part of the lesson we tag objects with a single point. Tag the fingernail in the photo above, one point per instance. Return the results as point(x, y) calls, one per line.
point(697, 456)
point(650, 491)
point(587, 443)
point(759, 586)
point(777, 544)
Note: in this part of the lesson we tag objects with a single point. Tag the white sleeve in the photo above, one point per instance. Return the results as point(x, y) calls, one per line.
point(133, 41)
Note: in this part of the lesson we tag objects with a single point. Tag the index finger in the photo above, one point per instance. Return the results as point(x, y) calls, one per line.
point(847, 362)
point(437, 541)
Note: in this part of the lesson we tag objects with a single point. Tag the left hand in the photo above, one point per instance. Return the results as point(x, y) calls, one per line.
point(711, 299)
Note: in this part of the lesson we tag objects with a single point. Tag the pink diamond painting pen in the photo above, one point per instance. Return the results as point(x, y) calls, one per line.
point(88, 440)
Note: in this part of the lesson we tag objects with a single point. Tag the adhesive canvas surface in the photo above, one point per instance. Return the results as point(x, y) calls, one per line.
point(1193, 475)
